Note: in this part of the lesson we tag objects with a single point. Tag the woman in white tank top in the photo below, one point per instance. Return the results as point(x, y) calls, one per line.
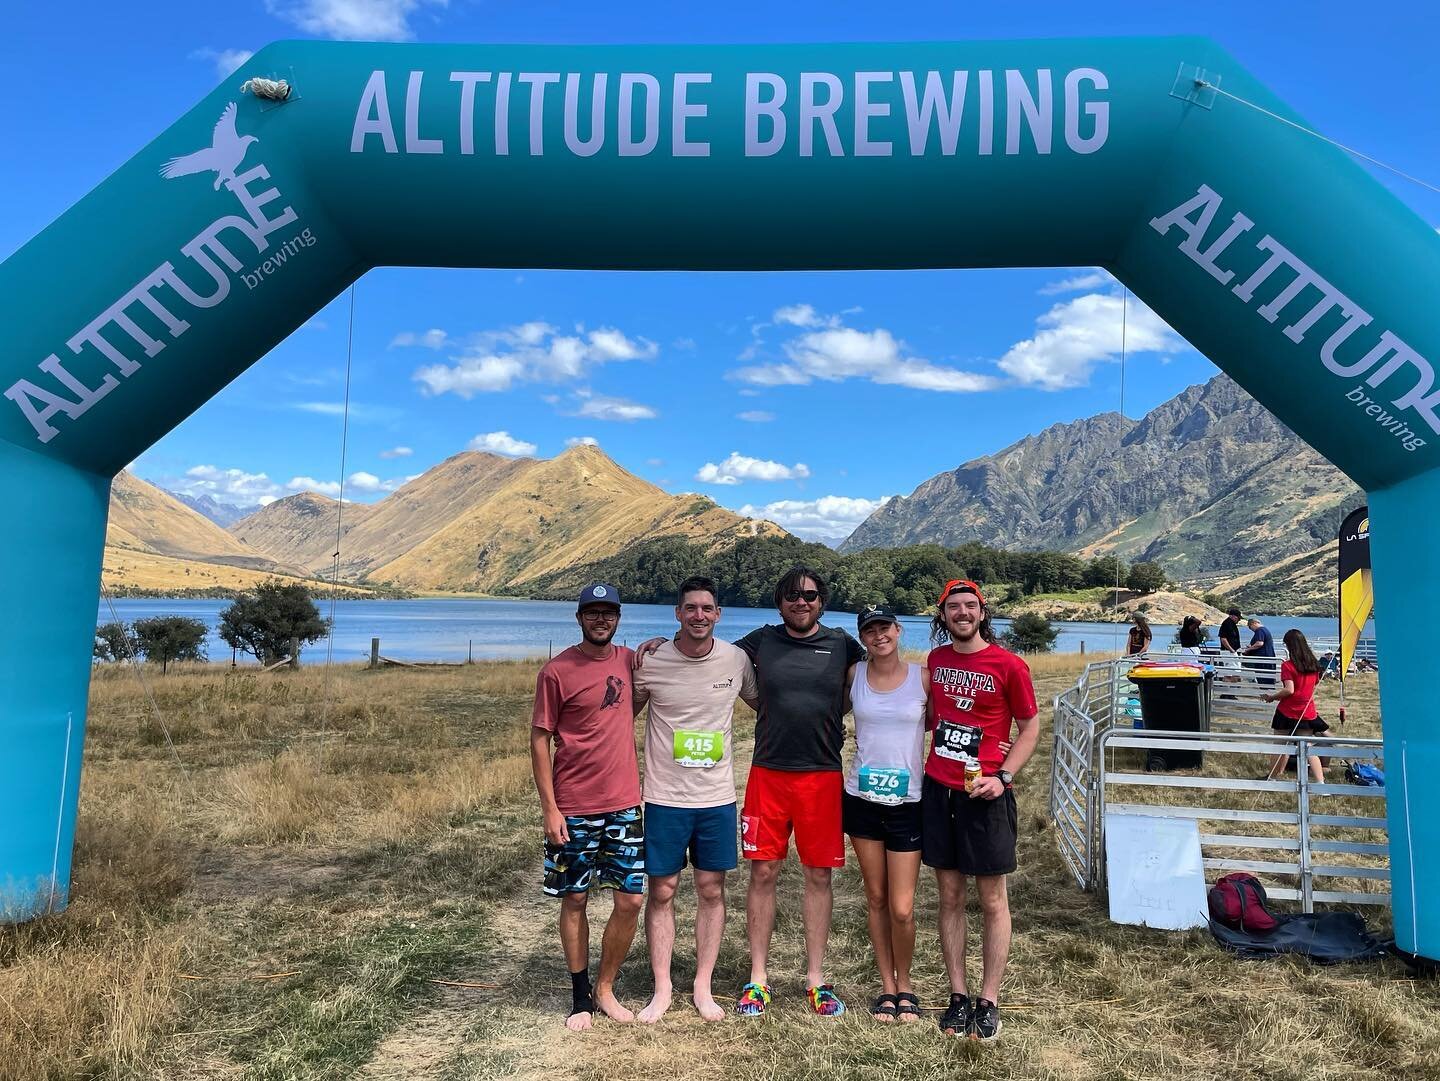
point(881, 805)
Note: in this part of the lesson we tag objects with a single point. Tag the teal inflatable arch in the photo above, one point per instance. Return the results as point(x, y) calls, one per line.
point(1271, 251)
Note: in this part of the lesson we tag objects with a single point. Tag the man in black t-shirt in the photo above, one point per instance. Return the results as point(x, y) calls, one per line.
point(803, 670)
point(1230, 631)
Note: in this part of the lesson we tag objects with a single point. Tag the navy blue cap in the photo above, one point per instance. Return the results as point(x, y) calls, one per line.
point(598, 593)
point(874, 613)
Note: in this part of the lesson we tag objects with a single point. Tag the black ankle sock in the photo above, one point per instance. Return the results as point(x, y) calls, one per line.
point(582, 999)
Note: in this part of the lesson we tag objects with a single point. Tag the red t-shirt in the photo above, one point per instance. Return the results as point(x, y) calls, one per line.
point(1299, 706)
point(976, 699)
point(585, 703)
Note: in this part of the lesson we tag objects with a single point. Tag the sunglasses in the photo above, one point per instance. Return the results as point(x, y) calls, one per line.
point(810, 596)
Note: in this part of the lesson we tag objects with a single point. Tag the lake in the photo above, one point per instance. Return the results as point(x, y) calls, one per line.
point(452, 628)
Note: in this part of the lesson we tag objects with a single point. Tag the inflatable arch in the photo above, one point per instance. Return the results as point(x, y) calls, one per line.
point(1271, 251)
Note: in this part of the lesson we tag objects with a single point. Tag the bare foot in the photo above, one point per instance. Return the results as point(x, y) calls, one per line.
point(609, 1005)
point(578, 1022)
point(657, 1007)
point(706, 1004)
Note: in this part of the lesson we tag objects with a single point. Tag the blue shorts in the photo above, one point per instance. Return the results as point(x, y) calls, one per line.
point(706, 834)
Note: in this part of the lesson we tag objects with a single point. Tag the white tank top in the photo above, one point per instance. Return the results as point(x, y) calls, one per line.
point(889, 738)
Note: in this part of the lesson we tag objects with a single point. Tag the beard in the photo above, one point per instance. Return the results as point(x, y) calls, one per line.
point(798, 622)
point(601, 635)
point(956, 635)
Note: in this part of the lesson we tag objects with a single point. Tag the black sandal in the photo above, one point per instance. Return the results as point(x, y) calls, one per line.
point(884, 1006)
point(907, 1005)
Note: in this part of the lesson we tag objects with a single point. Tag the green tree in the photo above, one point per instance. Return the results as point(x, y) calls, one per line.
point(1030, 633)
point(1105, 570)
point(262, 623)
point(115, 642)
point(1145, 577)
point(170, 638)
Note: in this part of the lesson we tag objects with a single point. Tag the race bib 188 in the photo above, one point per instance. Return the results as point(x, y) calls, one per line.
point(957, 742)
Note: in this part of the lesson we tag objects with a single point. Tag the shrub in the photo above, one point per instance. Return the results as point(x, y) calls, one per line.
point(263, 622)
point(1030, 633)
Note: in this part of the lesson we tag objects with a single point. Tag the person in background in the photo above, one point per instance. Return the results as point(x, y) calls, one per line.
point(1191, 635)
point(1230, 631)
point(1295, 712)
point(1138, 640)
point(1262, 644)
point(590, 797)
point(881, 804)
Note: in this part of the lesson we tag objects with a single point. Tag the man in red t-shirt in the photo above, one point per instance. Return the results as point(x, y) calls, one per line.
point(590, 795)
point(976, 691)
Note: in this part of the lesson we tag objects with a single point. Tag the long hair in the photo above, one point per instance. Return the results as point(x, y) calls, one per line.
point(1191, 632)
point(940, 634)
point(1141, 623)
point(1301, 655)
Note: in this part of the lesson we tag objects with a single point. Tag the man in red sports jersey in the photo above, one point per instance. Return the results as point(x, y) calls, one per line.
point(982, 712)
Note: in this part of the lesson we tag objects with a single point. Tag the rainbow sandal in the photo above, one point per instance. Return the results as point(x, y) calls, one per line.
point(824, 1001)
point(754, 997)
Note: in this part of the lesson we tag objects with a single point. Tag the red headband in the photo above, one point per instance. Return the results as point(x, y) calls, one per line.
point(960, 585)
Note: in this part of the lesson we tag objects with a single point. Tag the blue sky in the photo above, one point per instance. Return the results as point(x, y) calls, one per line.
point(673, 374)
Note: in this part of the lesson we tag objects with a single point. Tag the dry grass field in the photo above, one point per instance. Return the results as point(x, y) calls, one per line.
point(336, 875)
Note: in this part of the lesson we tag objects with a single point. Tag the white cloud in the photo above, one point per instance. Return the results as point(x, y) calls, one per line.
point(755, 416)
point(358, 411)
point(233, 486)
point(495, 360)
point(310, 484)
point(601, 407)
point(737, 469)
point(655, 461)
point(1078, 283)
point(435, 338)
point(397, 452)
point(799, 315)
point(502, 443)
point(829, 519)
point(1077, 334)
point(225, 60)
point(352, 20)
point(369, 482)
point(833, 352)
point(582, 441)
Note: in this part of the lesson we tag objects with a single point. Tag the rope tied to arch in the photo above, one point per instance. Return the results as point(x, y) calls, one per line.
point(273, 89)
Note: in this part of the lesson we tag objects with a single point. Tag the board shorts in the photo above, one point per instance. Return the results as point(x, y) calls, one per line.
point(606, 851)
point(899, 825)
point(706, 835)
point(807, 802)
point(972, 836)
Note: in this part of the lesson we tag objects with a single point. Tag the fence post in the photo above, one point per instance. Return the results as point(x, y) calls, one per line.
point(374, 653)
point(294, 653)
point(1302, 777)
point(1082, 647)
point(470, 653)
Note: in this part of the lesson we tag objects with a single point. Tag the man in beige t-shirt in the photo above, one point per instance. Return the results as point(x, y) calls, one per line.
point(690, 684)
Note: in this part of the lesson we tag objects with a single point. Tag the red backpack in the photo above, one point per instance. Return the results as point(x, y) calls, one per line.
point(1238, 901)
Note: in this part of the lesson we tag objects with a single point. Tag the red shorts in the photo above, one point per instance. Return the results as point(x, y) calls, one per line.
point(778, 800)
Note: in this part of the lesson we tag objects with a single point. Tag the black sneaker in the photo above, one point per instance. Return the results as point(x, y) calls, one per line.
point(956, 1021)
point(985, 1021)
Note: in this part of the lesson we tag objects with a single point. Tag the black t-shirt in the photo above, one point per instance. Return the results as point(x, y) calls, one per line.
point(800, 724)
point(1230, 633)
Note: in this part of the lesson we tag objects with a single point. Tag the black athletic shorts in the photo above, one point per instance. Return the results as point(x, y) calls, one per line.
point(972, 836)
point(898, 825)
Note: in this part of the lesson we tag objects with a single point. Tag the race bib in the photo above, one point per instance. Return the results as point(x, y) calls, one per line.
point(884, 784)
point(699, 750)
point(957, 742)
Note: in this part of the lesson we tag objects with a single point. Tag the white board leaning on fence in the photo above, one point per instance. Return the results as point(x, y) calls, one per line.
point(1155, 871)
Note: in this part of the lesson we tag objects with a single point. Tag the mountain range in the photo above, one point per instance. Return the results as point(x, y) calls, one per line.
point(1209, 484)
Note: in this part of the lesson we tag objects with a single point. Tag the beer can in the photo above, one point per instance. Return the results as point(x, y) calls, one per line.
point(972, 774)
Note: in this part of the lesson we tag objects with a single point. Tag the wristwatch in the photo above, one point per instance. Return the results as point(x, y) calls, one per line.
point(1005, 776)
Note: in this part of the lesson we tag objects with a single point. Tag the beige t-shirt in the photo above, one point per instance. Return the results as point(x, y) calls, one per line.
point(689, 757)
